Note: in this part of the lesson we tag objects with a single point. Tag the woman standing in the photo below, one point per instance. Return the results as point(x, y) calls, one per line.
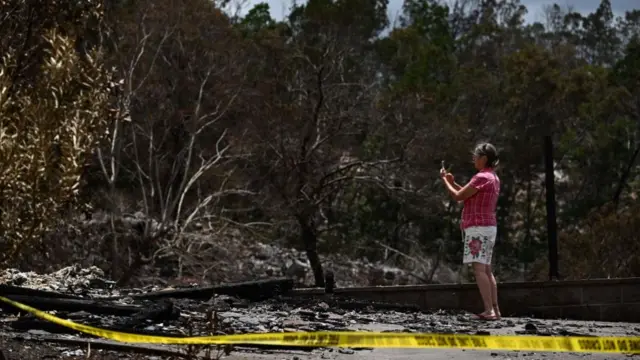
point(479, 224)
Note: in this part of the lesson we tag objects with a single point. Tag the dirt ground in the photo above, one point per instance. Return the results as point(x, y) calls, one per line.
point(34, 348)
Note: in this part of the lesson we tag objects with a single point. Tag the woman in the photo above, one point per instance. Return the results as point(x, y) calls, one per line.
point(479, 225)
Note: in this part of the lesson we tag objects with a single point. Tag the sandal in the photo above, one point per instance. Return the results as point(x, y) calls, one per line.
point(485, 317)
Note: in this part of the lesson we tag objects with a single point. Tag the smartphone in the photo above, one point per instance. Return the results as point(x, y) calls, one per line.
point(442, 163)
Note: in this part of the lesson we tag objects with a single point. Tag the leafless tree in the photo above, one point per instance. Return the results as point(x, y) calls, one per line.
point(178, 95)
point(316, 114)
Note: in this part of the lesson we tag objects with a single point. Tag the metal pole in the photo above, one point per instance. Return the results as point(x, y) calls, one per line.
point(552, 228)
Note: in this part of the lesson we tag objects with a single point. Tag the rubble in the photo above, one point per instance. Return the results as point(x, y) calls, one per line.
point(74, 279)
point(180, 314)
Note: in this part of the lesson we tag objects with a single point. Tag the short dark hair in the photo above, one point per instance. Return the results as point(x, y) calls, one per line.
point(488, 150)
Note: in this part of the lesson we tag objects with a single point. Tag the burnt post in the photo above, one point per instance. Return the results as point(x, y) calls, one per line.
point(552, 227)
point(329, 282)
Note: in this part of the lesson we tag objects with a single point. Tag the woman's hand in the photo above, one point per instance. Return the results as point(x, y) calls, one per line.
point(446, 176)
point(449, 178)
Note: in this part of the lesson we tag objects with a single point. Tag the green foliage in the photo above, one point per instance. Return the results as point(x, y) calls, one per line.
point(257, 19)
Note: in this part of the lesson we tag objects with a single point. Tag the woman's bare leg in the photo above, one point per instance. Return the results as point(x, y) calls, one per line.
point(484, 285)
point(494, 290)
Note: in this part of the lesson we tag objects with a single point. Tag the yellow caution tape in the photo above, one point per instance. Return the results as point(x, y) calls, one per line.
point(368, 339)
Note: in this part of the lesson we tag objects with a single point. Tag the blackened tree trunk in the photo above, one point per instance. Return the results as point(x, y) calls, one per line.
point(310, 241)
point(625, 177)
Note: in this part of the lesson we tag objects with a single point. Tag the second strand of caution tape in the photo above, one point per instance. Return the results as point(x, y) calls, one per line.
point(630, 345)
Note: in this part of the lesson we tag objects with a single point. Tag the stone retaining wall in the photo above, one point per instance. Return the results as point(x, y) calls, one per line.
point(600, 299)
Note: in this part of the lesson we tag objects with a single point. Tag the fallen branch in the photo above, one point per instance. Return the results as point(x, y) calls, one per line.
point(415, 260)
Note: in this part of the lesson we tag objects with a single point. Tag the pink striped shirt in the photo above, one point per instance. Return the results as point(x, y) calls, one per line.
point(480, 209)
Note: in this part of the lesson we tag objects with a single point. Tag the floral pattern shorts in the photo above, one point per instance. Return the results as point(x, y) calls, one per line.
point(478, 244)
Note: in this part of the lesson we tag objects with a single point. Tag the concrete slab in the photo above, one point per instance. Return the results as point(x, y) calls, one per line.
point(427, 354)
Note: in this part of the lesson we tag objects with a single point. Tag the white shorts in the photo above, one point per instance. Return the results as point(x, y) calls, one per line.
point(478, 244)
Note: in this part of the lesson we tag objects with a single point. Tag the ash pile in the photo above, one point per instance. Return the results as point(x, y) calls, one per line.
point(85, 296)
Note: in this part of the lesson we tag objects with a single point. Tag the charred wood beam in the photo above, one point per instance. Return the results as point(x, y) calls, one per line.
point(72, 305)
point(250, 290)
point(6, 290)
